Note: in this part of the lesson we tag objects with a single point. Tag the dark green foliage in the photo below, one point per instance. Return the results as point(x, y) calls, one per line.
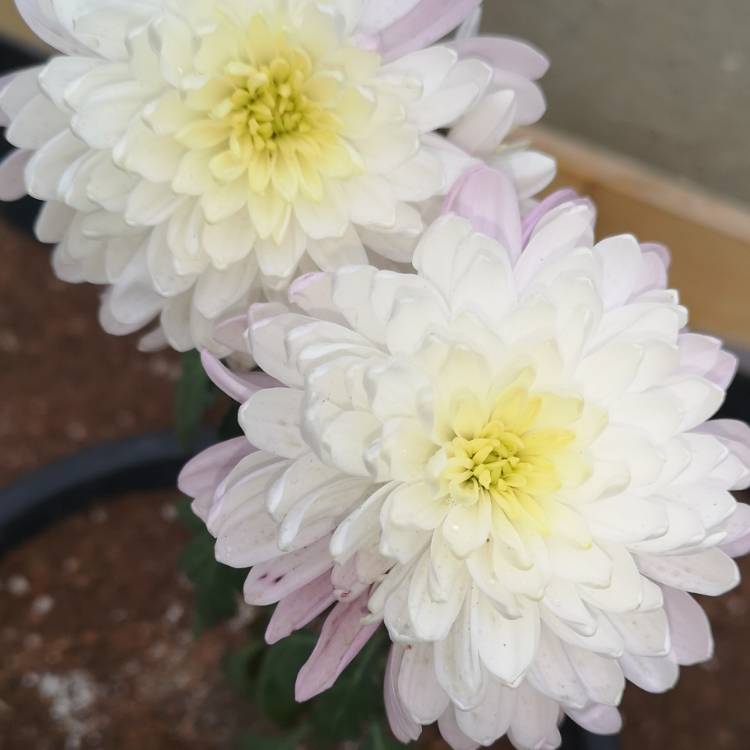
point(194, 395)
point(379, 738)
point(342, 712)
point(216, 586)
point(274, 695)
point(352, 710)
point(289, 741)
point(230, 426)
point(241, 666)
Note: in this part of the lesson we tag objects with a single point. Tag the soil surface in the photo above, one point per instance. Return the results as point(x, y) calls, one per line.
point(95, 636)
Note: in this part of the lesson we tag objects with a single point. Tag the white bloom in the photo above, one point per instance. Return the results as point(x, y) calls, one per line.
point(195, 154)
point(506, 456)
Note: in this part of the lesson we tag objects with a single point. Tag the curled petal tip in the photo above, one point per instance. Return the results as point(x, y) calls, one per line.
point(488, 199)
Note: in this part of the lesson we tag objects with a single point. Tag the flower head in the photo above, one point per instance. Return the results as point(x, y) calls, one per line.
point(195, 155)
point(505, 458)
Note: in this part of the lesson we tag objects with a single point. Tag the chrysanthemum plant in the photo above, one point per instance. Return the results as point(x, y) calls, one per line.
point(475, 434)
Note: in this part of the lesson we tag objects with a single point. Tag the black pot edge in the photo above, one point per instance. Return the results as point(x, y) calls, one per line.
point(44, 496)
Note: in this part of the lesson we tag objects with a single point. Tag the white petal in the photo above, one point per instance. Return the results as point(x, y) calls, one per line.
point(271, 421)
point(484, 128)
point(534, 722)
point(217, 291)
point(710, 572)
point(507, 647)
point(433, 619)
point(601, 675)
point(653, 674)
point(360, 525)
point(491, 719)
point(37, 122)
point(553, 673)
point(418, 688)
point(403, 726)
point(644, 633)
point(457, 664)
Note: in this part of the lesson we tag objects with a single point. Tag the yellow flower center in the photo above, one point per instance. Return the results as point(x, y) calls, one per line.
point(270, 117)
point(508, 454)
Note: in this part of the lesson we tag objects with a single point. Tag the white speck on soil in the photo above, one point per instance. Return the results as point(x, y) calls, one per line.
point(42, 605)
point(174, 613)
point(169, 512)
point(70, 696)
point(98, 515)
point(32, 641)
point(18, 585)
point(76, 431)
point(246, 615)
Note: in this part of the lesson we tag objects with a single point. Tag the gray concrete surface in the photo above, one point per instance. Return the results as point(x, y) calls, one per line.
point(666, 81)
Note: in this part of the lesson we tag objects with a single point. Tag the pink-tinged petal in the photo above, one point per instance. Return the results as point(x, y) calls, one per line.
point(505, 53)
point(654, 674)
point(40, 17)
point(275, 580)
point(232, 333)
point(662, 251)
point(689, 629)
point(236, 386)
point(536, 214)
point(488, 199)
point(300, 608)
point(530, 101)
point(723, 372)
point(207, 470)
point(452, 733)
point(12, 185)
point(423, 25)
point(597, 718)
point(698, 353)
point(471, 25)
point(735, 435)
point(654, 271)
point(737, 542)
point(347, 581)
point(404, 728)
point(341, 639)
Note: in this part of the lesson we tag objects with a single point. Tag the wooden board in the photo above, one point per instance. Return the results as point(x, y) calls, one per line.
point(709, 237)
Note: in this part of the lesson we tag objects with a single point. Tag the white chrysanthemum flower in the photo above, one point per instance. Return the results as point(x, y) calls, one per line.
point(196, 153)
point(504, 457)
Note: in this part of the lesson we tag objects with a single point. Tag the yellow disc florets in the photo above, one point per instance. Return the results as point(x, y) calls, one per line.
point(271, 116)
point(501, 454)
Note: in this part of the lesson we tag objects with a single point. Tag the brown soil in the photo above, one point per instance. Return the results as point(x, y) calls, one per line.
point(66, 383)
point(95, 626)
point(96, 639)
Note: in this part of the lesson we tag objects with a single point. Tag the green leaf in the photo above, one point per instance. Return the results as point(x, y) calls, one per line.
point(344, 711)
point(187, 518)
point(280, 742)
point(216, 586)
point(194, 395)
point(241, 666)
point(277, 675)
point(230, 425)
point(380, 739)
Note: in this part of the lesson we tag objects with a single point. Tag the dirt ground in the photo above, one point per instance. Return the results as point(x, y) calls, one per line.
point(95, 634)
